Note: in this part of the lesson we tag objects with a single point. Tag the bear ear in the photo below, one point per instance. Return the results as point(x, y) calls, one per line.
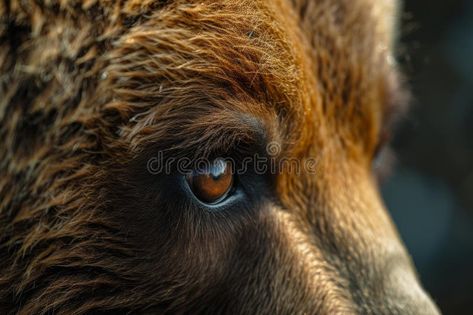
point(348, 16)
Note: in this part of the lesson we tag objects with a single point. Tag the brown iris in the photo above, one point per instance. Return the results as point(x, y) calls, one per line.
point(213, 182)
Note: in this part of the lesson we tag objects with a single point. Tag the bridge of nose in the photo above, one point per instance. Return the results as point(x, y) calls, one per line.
point(348, 247)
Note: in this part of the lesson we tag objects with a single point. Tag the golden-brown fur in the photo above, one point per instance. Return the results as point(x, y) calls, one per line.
point(90, 90)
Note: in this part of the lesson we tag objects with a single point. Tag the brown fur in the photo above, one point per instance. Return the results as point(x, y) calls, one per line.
point(90, 90)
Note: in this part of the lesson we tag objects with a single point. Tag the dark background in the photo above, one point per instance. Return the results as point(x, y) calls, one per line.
point(430, 193)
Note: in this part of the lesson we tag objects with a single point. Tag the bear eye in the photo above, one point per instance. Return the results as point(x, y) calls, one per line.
point(212, 183)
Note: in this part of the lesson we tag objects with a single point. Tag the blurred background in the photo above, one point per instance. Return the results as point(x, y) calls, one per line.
point(430, 193)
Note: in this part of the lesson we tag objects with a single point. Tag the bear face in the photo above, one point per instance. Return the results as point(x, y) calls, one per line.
point(101, 102)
